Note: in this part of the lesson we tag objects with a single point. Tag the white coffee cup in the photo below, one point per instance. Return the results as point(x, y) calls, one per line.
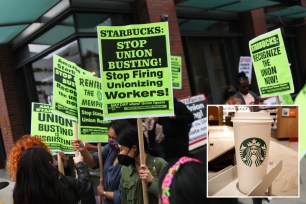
point(252, 132)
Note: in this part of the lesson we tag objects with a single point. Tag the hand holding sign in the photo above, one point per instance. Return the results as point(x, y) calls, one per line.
point(78, 158)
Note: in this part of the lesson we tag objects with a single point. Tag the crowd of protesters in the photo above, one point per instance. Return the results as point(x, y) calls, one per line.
point(170, 174)
point(37, 179)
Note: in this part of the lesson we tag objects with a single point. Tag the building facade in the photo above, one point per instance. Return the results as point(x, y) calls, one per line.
point(210, 36)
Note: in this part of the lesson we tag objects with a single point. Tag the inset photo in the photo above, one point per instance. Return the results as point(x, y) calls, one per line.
point(253, 151)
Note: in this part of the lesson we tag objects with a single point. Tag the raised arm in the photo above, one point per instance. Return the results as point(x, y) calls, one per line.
point(78, 145)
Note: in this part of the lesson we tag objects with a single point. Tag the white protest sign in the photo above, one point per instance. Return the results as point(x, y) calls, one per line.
point(245, 65)
point(198, 132)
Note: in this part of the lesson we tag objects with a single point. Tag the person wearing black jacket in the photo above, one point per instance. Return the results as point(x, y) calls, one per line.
point(38, 182)
point(176, 131)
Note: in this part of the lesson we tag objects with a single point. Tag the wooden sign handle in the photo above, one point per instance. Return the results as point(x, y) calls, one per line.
point(142, 158)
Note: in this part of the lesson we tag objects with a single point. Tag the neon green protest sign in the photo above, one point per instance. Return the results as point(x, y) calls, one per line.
point(287, 99)
point(92, 126)
point(271, 64)
point(176, 67)
point(55, 130)
point(64, 92)
point(135, 67)
point(301, 101)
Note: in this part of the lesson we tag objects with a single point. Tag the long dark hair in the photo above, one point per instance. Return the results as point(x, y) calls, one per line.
point(241, 76)
point(37, 181)
point(129, 137)
point(119, 125)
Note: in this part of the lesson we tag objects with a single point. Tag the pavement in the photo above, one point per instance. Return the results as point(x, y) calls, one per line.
point(6, 193)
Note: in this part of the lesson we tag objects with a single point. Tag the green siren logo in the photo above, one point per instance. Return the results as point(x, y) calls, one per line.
point(253, 151)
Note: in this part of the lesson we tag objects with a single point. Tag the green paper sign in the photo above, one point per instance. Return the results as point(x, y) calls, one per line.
point(271, 64)
point(64, 92)
point(287, 99)
point(136, 71)
point(301, 101)
point(92, 126)
point(176, 68)
point(55, 130)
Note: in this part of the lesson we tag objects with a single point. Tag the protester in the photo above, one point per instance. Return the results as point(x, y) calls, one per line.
point(176, 131)
point(154, 136)
point(133, 173)
point(39, 182)
point(183, 182)
point(228, 94)
point(229, 91)
point(109, 191)
point(244, 94)
point(24, 143)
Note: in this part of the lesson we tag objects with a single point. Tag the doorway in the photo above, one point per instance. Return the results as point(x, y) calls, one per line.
point(212, 65)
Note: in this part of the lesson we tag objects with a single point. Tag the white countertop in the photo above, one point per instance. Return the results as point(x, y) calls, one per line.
point(287, 182)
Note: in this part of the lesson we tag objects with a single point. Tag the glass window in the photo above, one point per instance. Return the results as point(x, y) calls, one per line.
point(43, 70)
point(212, 66)
point(90, 55)
point(83, 51)
point(54, 35)
point(88, 22)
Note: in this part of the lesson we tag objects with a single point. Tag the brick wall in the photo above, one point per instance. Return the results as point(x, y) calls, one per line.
point(11, 122)
point(254, 24)
point(149, 11)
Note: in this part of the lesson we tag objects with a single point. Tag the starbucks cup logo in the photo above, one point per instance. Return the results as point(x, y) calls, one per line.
point(253, 151)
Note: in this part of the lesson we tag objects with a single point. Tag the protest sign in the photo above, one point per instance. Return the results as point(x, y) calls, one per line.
point(136, 70)
point(245, 65)
point(55, 130)
point(198, 132)
point(301, 101)
point(286, 99)
point(92, 127)
point(271, 64)
point(64, 93)
point(176, 68)
point(278, 100)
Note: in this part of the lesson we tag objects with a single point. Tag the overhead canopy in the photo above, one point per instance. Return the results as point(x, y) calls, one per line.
point(199, 15)
point(229, 5)
point(293, 12)
point(16, 15)
point(208, 15)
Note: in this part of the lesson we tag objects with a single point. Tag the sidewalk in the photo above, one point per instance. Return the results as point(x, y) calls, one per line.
point(6, 193)
point(3, 174)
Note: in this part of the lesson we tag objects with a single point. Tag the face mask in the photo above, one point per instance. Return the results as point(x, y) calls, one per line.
point(125, 160)
point(113, 144)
